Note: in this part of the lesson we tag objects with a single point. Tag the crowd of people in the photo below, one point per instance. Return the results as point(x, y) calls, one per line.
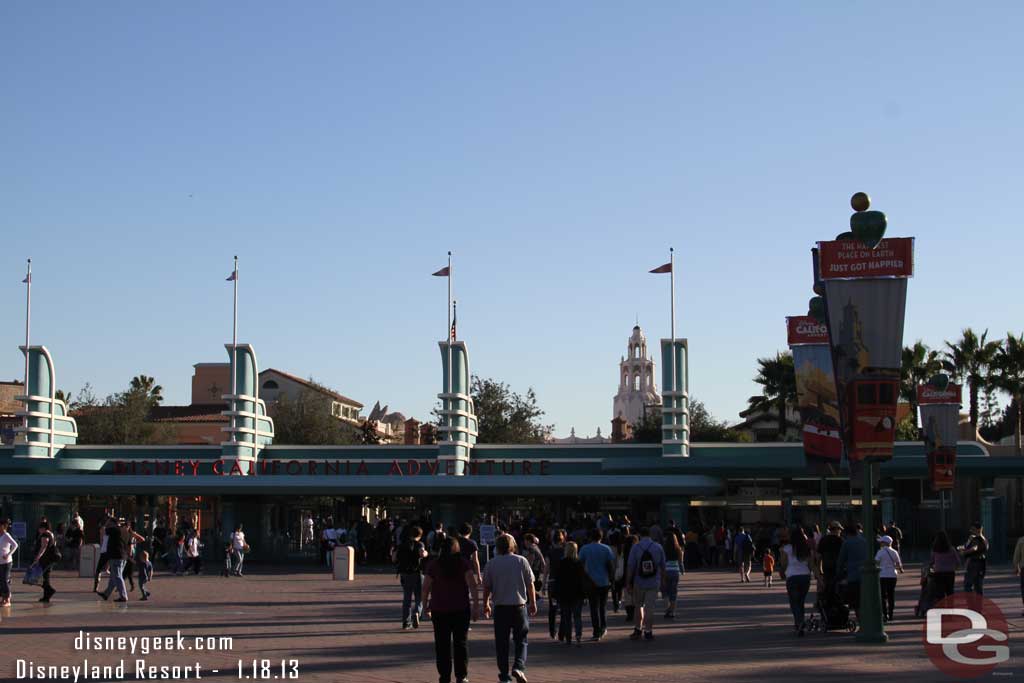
point(609, 563)
point(606, 563)
point(440, 573)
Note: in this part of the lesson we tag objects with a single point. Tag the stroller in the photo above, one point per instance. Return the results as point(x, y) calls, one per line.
point(831, 613)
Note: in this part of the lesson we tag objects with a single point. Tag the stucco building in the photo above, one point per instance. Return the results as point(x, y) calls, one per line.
point(637, 387)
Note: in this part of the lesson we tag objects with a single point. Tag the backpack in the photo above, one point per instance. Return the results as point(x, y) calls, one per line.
point(647, 568)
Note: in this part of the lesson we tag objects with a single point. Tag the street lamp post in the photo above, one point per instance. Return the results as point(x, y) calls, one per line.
point(872, 630)
point(864, 277)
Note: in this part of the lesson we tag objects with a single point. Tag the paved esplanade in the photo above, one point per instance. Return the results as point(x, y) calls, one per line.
point(724, 631)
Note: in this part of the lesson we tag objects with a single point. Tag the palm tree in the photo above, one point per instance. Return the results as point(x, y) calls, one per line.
point(777, 377)
point(919, 365)
point(970, 360)
point(1009, 376)
point(147, 387)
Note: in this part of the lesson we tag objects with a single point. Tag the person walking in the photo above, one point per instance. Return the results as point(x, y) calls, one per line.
point(768, 568)
point(8, 546)
point(117, 552)
point(436, 539)
point(570, 574)
point(238, 550)
point(616, 541)
point(73, 538)
point(538, 563)
point(889, 565)
point(408, 559)
point(329, 541)
point(628, 607)
point(145, 574)
point(599, 563)
point(795, 567)
point(449, 587)
point(644, 572)
point(129, 566)
point(104, 558)
point(45, 557)
point(896, 534)
point(850, 562)
point(1018, 564)
point(744, 548)
point(943, 562)
point(469, 549)
point(508, 581)
point(556, 551)
point(193, 560)
point(975, 554)
point(307, 528)
point(674, 568)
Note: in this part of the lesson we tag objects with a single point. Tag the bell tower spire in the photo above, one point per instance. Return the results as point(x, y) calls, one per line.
point(638, 389)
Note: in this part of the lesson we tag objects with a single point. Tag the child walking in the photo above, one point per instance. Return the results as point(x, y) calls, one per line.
point(145, 573)
point(768, 564)
point(228, 551)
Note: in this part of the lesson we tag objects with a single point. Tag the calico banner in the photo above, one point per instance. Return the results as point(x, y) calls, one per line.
point(817, 400)
point(803, 329)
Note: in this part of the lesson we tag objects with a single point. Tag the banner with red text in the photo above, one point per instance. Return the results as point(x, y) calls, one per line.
point(803, 329)
point(849, 259)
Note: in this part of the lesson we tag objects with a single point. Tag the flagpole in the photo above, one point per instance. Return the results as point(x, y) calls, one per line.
point(448, 337)
point(234, 350)
point(672, 285)
point(28, 323)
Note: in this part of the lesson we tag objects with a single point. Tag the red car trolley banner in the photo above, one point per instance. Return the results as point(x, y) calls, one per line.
point(817, 400)
point(940, 422)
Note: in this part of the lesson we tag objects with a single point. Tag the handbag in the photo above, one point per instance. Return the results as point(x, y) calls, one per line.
point(246, 549)
point(33, 575)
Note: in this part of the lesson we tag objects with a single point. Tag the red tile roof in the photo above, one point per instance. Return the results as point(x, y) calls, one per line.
point(198, 413)
point(315, 387)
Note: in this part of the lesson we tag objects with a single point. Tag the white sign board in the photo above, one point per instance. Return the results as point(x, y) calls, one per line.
point(487, 534)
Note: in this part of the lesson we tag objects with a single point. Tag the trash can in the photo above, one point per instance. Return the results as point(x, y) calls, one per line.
point(88, 558)
point(344, 563)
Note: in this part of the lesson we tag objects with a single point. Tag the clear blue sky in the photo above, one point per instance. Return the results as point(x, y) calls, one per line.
point(559, 149)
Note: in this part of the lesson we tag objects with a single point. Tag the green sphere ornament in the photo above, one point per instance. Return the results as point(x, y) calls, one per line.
point(860, 201)
point(868, 227)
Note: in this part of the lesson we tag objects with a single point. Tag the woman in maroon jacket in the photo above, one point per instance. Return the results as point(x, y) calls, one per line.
point(449, 588)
